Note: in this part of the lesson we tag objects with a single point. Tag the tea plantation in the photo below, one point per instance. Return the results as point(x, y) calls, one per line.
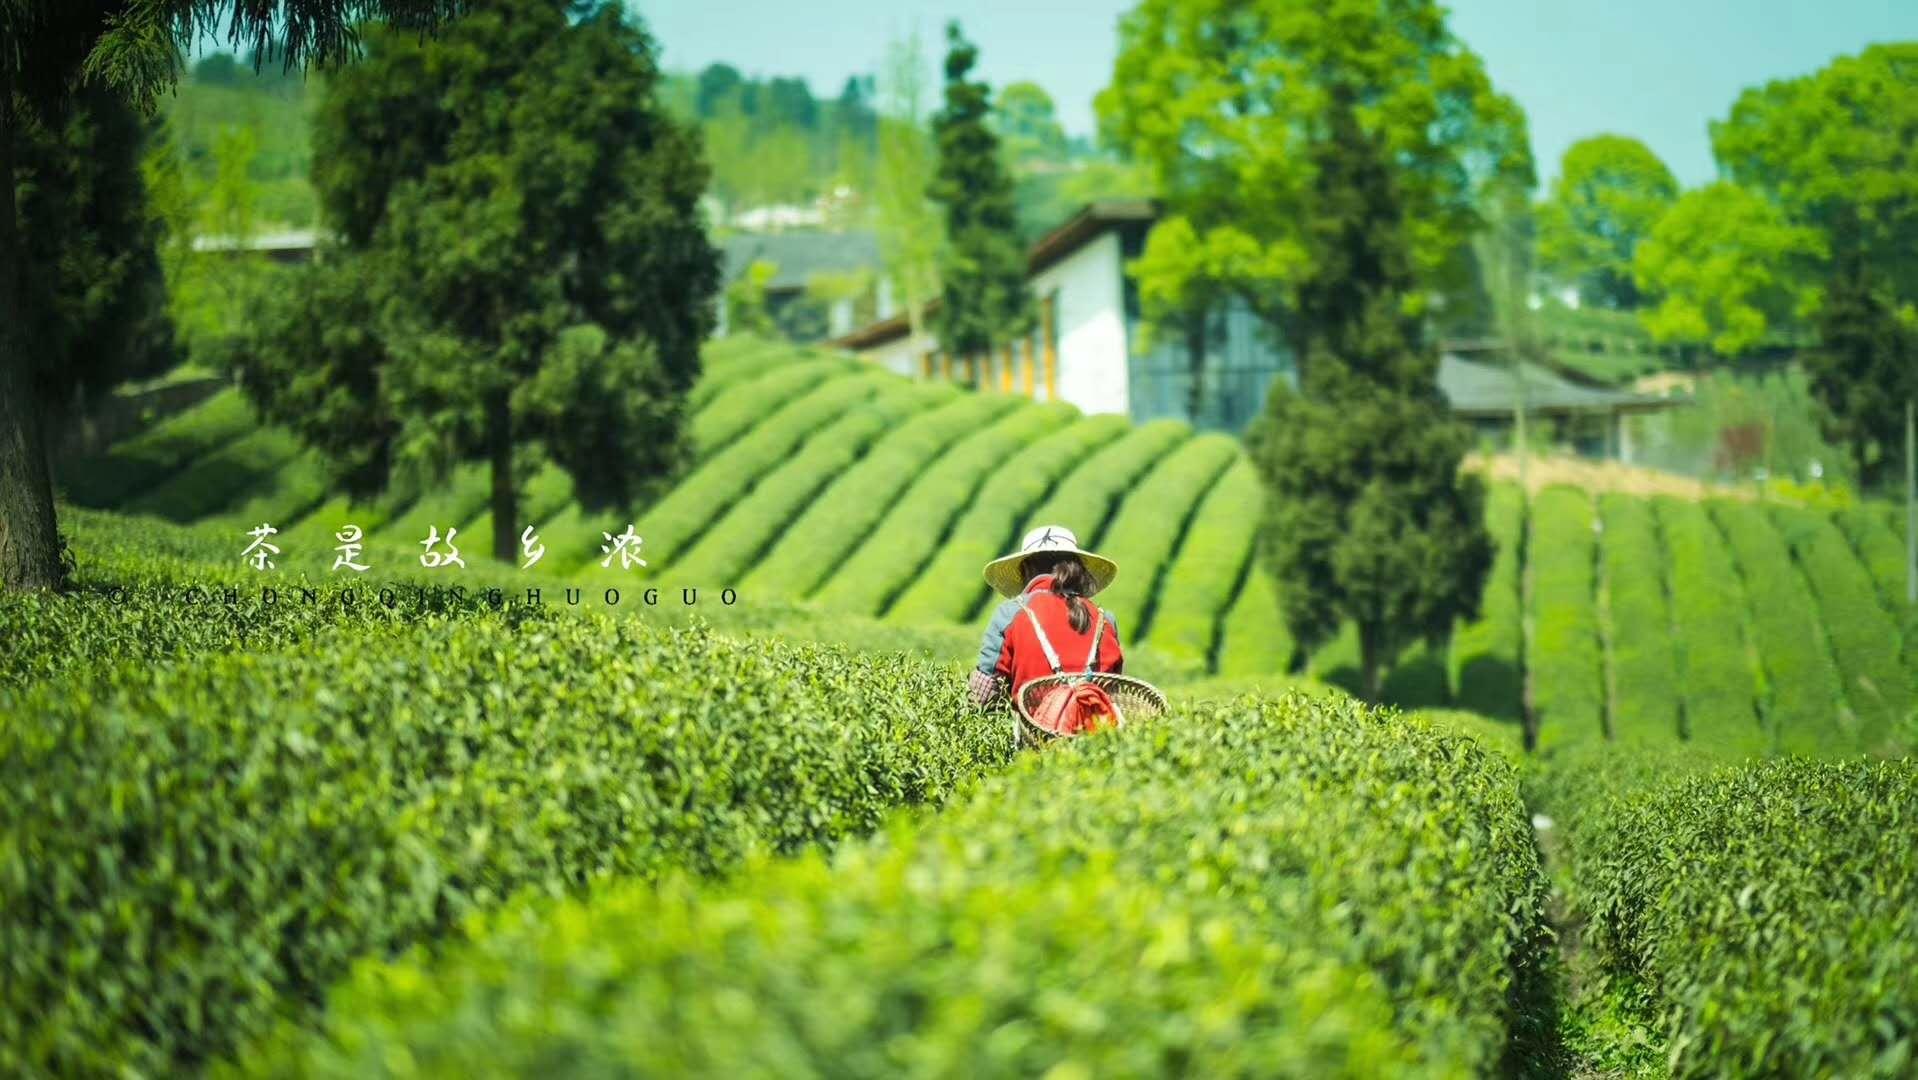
point(424, 822)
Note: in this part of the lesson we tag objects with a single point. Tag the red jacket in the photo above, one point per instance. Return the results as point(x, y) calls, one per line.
point(1011, 648)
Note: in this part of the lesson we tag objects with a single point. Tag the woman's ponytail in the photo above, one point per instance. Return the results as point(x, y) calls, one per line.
point(1072, 580)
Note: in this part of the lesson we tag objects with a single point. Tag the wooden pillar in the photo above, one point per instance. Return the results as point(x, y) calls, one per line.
point(1005, 368)
point(945, 366)
point(925, 365)
point(1025, 365)
point(1048, 321)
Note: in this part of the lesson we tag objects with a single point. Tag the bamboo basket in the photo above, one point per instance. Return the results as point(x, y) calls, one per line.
point(1135, 699)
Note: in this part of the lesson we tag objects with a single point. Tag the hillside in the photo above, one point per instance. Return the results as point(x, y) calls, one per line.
point(822, 483)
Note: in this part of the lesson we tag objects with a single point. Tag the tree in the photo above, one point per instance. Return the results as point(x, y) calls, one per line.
point(1837, 151)
point(1027, 125)
point(983, 300)
point(1368, 517)
point(50, 50)
point(1611, 190)
point(1722, 268)
point(521, 259)
point(96, 300)
point(1221, 99)
point(911, 234)
point(1865, 368)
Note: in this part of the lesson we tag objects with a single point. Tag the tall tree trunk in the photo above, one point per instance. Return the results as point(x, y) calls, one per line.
point(29, 535)
point(499, 433)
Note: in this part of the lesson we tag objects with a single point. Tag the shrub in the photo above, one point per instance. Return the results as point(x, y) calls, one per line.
point(1290, 887)
point(915, 525)
point(729, 361)
point(145, 461)
point(1198, 586)
point(1716, 663)
point(742, 405)
point(192, 851)
point(1805, 698)
point(734, 542)
point(670, 527)
point(1568, 678)
point(461, 497)
point(817, 541)
point(1644, 677)
point(1863, 636)
point(1763, 916)
point(1254, 639)
point(1085, 499)
point(1883, 553)
point(221, 479)
point(1487, 653)
point(950, 587)
point(1154, 520)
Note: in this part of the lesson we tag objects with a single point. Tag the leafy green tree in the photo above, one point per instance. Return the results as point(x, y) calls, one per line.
point(49, 51)
point(746, 310)
point(1837, 151)
point(1368, 517)
point(96, 300)
point(1028, 126)
point(1611, 190)
point(1865, 367)
point(520, 221)
point(1223, 99)
point(1722, 268)
point(983, 300)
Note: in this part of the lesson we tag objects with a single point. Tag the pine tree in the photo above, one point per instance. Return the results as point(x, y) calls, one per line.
point(1367, 516)
point(983, 299)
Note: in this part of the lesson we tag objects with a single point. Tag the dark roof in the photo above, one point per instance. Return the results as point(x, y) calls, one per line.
point(1477, 387)
point(800, 255)
point(1086, 225)
point(1078, 230)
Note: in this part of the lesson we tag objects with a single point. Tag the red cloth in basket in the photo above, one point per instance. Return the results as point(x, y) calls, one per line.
point(1074, 709)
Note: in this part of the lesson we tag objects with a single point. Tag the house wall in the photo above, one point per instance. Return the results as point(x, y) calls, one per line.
point(1091, 325)
point(900, 355)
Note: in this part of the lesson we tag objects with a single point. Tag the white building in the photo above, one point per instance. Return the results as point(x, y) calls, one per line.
point(1084, 349)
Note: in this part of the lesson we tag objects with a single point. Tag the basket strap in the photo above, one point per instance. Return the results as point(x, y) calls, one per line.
point(1052, 655)
point(1098, 631)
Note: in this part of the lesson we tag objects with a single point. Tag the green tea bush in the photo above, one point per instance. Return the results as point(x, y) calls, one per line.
point(671, 525)
point(221, 479)
point(149, 458)
point(950, 587)
point(914, 526)
point(1084, 500)
point(729, 361)
point(1196, 588)
point(1155, 518)
point(1863, 635)
point(1254, 639)
point(1806, 703)
point(193, 852)
point(814, 544)
point(734, 542)
point(743, 405)
point(1644, 676)
point(1765, 917)
point(1486, 653)
point(1715, 661)
point(1264, 888)
point(1883, 554)
point(463, 496)
point(1568, 678)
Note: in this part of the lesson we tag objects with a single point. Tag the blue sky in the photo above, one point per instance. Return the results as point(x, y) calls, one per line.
point(1659, 70)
